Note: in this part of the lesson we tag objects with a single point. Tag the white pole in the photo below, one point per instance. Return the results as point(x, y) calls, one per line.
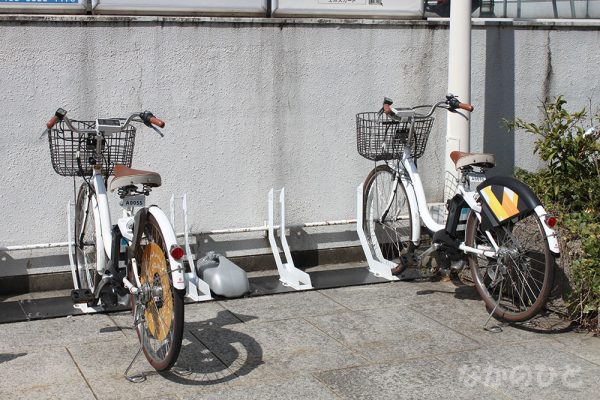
point(459, 78)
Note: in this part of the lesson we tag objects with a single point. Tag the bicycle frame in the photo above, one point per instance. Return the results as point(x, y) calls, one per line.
point(104, 233)
point(104, 230)
point(411, 181)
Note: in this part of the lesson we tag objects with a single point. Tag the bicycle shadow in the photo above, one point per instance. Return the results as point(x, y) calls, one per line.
point(221, 355)
point(462, 292)
point(6, 357)
point(548, 321)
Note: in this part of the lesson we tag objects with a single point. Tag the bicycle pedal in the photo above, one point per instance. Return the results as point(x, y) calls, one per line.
point(82, 296)
point(399, 269)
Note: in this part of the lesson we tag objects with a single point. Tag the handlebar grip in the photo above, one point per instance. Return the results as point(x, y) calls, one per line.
point(52, 122)
point(157, 122)
point(466, 106)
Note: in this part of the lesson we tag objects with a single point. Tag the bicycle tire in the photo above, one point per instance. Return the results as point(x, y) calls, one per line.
point(515, 285)
point(393, 235)
point(161, 339)
point(85, 239)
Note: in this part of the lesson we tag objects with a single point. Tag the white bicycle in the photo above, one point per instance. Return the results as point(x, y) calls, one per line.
point(137, 261)
point(496, 226)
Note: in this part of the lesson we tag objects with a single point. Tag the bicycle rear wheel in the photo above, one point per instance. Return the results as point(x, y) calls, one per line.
point(160, 322)
point(387, 217)
point(517, 283)
point(85, 239)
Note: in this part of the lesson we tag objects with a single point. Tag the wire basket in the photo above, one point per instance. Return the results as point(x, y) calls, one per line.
point(378, 137)
point(117, 148)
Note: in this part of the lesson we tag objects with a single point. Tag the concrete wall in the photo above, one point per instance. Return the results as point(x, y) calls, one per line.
point(259, 103)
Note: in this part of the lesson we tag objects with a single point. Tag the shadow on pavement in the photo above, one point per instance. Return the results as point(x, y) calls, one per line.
point(5, 357)
point(224, 354)
point(547, 322)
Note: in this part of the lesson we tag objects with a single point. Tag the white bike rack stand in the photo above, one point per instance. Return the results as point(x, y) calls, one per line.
point(378, 265)
point(70, 239)
point(195, 288)
point(289, 275)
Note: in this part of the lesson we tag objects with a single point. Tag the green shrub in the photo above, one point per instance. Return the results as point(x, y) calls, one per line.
point(569, 186)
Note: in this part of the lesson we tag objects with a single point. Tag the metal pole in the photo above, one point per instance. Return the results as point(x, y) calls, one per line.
point(459, 78)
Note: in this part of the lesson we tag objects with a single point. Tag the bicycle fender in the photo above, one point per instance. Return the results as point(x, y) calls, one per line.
point(177, 268)
point(551, 235)
point(504, 198)
point(139, 221)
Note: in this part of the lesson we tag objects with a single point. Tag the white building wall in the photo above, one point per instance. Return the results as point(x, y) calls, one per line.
point(255, 104)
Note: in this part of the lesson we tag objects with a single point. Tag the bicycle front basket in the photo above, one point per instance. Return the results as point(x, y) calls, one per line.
point(378, 137)
point(66, 144)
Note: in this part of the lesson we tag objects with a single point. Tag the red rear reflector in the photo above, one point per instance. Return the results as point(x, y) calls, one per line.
point(550, 221)
point(176, 253)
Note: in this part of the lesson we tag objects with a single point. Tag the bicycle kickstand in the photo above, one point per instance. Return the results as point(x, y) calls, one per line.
point(496, 328)
point(141, 377)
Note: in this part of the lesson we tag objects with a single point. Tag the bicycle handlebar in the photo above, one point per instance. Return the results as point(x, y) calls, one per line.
point(53, 121)
point(146, 117)
point(58, 116)
point(451, 104)
point(157, 122)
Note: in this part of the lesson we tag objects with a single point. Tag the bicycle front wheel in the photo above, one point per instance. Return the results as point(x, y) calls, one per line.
point(85, 239)
point(515, 284)
point(160, 320)
point(387, 217)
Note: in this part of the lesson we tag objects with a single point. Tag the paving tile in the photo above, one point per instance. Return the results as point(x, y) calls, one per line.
point(209, 313)
point(533, 370)
point(103, 365)
point(283, 306)
point(59, 331)
point(585, 345)
point(391, 340)
point(196, 316)
point(278, 348)
point(469, 317)
point(385, 294)
point(41, 373)
point(416, 379)
point(300, 387)
point(391, 333)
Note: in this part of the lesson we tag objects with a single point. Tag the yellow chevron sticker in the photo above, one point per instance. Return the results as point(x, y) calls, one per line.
point(510, 200)
point(494, 204)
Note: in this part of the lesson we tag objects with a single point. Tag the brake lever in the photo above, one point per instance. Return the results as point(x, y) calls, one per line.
point(157, 130)
point(458, 112)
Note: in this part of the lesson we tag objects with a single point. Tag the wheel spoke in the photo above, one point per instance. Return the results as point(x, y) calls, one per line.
point(165, 326)
point(386, 197)
point(524, 263)
point(163, 330)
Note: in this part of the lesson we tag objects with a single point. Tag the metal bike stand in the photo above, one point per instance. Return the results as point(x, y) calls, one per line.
point(289, 275)
point(495, 328)
point(378, 265)
point(139, 378)
point(83, 307)
point(196, 289)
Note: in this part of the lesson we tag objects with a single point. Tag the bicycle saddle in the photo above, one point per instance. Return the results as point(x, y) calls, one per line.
point(125, 176)
point(481, 160)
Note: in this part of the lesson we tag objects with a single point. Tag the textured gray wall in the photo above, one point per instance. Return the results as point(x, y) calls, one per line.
point(255, 104)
